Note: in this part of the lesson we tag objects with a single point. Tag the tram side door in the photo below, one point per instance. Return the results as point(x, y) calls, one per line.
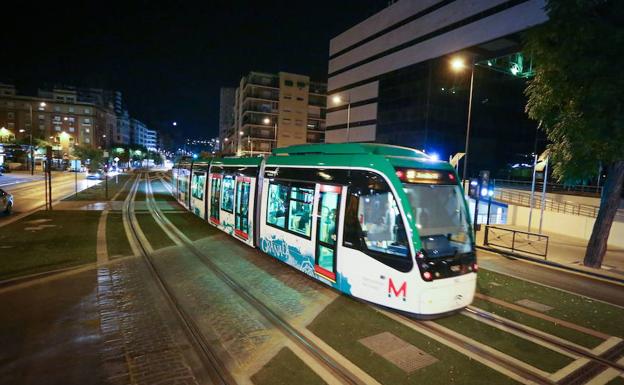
point(241, 210)
point(327, 231)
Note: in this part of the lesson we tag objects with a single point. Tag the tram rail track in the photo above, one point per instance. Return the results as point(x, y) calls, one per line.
point(216, 369)
point(596, 364)
point(547, 338)
point(289, 331)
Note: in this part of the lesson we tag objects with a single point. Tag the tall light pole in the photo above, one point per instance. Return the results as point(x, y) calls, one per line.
point(267, 121)
point(338, 100)
point(458, 64)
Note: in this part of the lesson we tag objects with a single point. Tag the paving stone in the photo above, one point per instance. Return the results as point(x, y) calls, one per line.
point(534, 305)
point(405, 356)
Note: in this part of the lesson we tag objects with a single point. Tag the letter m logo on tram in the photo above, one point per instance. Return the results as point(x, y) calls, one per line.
point(402, 291)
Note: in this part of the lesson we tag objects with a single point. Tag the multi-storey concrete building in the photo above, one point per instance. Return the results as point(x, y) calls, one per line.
point(54, 116)
point(275, 111)
point(389, 78)
point(226, 110)
point(143, 136)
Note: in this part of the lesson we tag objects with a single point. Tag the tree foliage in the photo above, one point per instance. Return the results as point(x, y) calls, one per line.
point(578, 91)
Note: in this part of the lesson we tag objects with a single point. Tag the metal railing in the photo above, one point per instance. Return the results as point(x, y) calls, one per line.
point(550, 187)
point(514, 240)
point(522, 198)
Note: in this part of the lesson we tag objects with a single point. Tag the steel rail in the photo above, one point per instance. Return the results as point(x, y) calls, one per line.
point(216, 369)
point(280, 323)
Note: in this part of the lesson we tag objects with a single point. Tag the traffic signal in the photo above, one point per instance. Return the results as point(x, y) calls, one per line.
point(484, 182)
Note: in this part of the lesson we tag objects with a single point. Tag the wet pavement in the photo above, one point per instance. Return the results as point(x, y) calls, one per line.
point(51, 333)
point(102, 326)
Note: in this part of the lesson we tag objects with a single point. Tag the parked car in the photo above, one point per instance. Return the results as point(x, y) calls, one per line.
point(6, 202)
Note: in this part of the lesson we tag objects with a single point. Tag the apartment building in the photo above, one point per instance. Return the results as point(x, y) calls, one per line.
point(275, 110)
point(56, 116)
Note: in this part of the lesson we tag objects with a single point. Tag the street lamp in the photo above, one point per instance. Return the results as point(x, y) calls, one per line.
point(267, 121)
point(337, 99)
point(458, 64)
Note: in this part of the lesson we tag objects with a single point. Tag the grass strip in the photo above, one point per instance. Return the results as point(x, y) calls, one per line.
point(154, 234)
point(140, 194)
point(286, 369)
point(160, 192)
point(566, 306)
point(48, 240)
point(193, 226)
point(549, 327)
point(116, 239)
point(616, 381)
point(524, 350)
point(346, 321)
point(98, 192)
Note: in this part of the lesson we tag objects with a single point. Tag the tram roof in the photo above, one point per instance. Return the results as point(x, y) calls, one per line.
point(351, 149)
point(238, 161)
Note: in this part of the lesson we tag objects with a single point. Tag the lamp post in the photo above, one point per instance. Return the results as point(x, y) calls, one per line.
point(240, 136)
point(338, 100)
point(267, 121)
point(458, 64)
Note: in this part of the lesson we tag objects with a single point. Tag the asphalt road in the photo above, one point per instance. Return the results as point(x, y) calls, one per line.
point(561, 279)
point(29, 194)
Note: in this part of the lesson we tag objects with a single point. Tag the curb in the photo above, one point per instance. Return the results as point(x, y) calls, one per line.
point(589, 274)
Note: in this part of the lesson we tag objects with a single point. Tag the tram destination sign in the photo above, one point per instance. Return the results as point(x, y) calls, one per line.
point(413, 175)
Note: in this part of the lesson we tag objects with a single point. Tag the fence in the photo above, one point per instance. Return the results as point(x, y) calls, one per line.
point(550, 187)
point(522, 198)
point(514, 240)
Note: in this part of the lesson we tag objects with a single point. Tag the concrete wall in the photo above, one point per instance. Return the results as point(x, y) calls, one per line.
point(565, 224)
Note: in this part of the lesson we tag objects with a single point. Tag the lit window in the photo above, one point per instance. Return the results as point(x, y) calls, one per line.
point(276, 210)
point(227, 195)
point(87, 110)
point(57, 108)
point(300, 210)
point(70, 109)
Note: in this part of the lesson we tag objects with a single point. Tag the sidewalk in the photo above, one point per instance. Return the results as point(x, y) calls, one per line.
point(569, 251)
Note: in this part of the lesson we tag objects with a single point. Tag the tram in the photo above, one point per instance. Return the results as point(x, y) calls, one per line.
point(382, 223)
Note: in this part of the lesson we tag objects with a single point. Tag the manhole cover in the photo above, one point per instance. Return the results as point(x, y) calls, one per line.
point(534, 305)
point(405, 356)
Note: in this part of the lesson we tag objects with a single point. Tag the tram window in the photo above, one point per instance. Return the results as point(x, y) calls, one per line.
point(373, 223)
point(276, 209)
point(227, 196)
point(197, 187)
point(300, 210)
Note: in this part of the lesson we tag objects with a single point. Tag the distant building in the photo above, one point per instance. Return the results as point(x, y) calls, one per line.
point(275, 111)
point(121, 134)
point(55, 116)
point(226, 110)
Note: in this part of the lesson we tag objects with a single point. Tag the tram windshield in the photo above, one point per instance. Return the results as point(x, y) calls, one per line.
point(440, 219)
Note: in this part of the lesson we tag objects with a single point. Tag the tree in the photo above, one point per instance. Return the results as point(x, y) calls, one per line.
point(88, 154)
point(577, 96)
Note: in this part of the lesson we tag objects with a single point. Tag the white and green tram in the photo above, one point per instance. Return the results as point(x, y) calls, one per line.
point(382, 223)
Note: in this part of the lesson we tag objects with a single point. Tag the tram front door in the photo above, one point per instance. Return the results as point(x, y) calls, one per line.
point(326, 231)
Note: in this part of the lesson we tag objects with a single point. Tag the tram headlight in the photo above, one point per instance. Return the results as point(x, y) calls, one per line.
point(427, 276)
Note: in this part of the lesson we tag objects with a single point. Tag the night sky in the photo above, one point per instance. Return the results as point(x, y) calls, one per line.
point(170, 59)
